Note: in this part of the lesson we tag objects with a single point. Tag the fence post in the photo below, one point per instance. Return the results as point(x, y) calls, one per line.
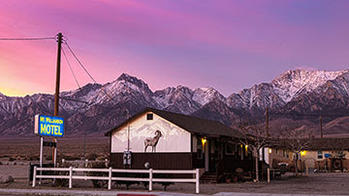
point(268, 175)
point(150, 179)
point(110, 176)
point(70, 177)
point(197, 177)
point(306, 170)
point(29, 170)
point(34, 176)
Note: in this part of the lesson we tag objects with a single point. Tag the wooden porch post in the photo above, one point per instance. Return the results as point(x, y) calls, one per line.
point(207, 154)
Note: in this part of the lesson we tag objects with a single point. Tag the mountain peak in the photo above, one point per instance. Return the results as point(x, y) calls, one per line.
point(133, 80)
point(205, 95)
point(127, 77)
point(2, 96)
point(305, 74)
point(293, 82)
point(205, 89)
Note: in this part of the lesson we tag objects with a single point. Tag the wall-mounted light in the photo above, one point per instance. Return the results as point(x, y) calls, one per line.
point(303, 153)
point(269, 151)
point(246, 147)
point(203, 141)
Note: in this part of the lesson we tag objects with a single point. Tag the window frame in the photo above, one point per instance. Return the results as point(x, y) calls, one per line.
point(150, 116)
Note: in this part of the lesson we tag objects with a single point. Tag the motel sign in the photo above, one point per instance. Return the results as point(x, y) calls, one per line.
point(49, 126)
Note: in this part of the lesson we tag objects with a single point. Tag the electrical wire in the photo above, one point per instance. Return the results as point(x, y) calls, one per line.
point(26, 38)
point(74, 100)
point(305, 114)
point(71, 70)
point(69, 48)
point(84, 68)
point(78, 60)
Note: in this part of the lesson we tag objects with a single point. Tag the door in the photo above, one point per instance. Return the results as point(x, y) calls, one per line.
point(213, 156)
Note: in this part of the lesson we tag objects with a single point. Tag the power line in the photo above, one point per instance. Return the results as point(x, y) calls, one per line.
point(26, 38)
point(78, 60)
point(74, 100)
point(84, 68)
point(306, 114)
point(71, 70)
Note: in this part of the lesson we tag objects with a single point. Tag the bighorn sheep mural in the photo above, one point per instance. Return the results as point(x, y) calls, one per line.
point(152, 141)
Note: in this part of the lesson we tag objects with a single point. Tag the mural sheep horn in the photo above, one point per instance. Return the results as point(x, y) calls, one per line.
point(152, 141)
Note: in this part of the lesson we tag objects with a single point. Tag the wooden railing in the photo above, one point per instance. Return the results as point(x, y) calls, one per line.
point(109, 177)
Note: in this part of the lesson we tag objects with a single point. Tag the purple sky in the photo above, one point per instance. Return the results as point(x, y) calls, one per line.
point(228, 45)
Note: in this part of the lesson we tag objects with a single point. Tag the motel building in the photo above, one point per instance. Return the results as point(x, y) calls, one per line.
point(327, 155)
point(320, 155)
point(165, 140)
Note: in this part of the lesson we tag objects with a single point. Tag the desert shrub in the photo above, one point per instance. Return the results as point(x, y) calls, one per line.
point(98, 183)
point(34, 158)
point(163, 184)
point(101, 158)
point(62, 182)
point(91, 156)
point(48, 157)
point(71, 158)
point(130, 175)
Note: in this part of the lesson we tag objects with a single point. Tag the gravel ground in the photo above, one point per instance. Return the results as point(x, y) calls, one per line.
point(318, 184)
point(16, 171)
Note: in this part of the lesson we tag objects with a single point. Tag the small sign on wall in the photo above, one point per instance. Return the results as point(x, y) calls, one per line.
point(127, 158)
point(49, 126)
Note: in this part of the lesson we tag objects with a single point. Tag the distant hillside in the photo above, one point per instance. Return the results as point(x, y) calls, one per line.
point(295, 99)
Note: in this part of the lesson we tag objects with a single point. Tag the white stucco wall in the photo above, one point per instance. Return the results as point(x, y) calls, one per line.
point(174, 138)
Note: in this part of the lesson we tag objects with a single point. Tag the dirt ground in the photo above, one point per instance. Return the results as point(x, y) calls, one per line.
point(28, 148)
point(323, 183)
point(23, 150)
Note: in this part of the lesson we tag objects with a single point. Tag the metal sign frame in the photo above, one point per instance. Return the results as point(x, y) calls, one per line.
point(49, 126)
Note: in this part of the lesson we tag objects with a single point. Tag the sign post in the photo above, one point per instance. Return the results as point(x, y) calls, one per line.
point(41, 145)
point(51, 126)
point(41, 151)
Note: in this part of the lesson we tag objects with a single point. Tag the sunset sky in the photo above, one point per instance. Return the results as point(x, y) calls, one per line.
point(229, 45)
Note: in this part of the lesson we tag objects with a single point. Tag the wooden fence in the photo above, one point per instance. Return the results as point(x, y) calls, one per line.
point(109, 177)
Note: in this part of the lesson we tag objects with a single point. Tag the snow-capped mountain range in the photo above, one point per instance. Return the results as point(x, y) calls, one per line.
point(101, 107)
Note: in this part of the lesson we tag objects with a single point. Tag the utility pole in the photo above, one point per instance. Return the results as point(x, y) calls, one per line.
point(267, 121)
point(128, 131)
point(58, 72)
point(58, 79)
point(85, 144)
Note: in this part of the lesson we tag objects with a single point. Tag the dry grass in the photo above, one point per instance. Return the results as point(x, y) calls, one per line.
point(28, 148)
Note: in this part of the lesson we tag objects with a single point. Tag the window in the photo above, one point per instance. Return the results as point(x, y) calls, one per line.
point(229, 149)
point(319, 155)
point(149, 116)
